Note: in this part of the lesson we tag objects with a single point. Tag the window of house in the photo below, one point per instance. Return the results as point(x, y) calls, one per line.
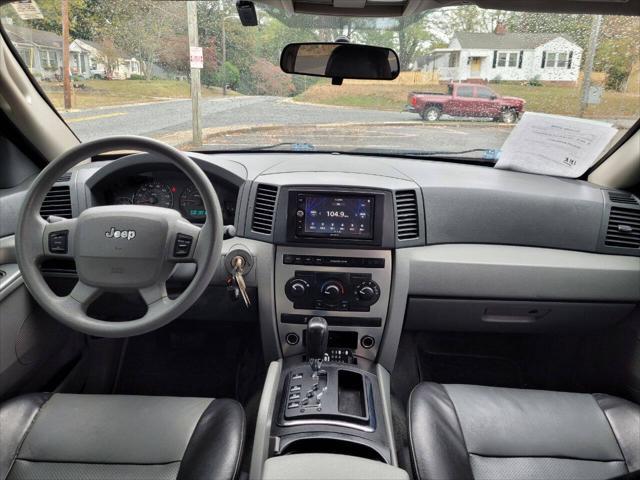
point(25, 53)
point(561, 60)
point(509, 59)
point(556, 59)
point(454, 59)
point(482, 92)
point(465, 91)
point(49, 59)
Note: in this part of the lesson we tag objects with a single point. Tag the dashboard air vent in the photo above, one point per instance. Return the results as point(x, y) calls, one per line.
point(623, 229)
point(407, 214)
point(264, 208)
point(64, 178)
point(57, 202)
point(623, 197)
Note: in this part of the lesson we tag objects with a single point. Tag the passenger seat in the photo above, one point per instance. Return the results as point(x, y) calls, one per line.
point(474, 432)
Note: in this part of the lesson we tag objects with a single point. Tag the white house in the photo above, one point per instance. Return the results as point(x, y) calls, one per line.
point(481, 57)
point(42, 53)
point(118, 67)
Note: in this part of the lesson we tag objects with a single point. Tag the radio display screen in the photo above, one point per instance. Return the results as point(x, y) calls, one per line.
point(341, 216)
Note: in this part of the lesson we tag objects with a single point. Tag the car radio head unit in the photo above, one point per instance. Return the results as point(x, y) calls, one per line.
point(334, 216)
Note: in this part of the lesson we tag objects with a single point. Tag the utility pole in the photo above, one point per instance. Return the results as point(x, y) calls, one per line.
point(66, 72)
point(224, 59)
point(192, 25)
point(588, 64)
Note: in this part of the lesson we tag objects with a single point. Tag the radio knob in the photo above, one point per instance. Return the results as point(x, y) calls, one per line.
point(296, 288)
point(368, 291)
point(332, 289)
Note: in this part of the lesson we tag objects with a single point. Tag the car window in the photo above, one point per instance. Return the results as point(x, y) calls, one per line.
point(465, 91)
point(482, 92)
point(132, 70)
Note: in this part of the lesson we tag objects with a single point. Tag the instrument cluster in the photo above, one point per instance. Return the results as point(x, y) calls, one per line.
point(169, 190)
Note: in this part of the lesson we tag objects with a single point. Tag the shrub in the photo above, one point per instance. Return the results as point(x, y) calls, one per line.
point(535, 82)
point(616, 77)
point(135, 76)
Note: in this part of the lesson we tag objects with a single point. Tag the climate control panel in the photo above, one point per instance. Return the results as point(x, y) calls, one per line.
point(348, 287)
point(346, 291)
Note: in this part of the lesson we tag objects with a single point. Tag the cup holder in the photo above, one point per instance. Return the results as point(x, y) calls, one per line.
point(331, 445)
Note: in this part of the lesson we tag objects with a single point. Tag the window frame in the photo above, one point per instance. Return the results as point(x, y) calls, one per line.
point(507, 56)
point(560, 58)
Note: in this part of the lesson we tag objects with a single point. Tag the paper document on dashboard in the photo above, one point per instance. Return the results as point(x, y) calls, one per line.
point(554, 145)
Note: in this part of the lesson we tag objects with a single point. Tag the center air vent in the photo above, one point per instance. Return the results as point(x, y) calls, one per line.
point(622, 197)
point(623, 229)
point(407, 214)
point(264, 208)
point(57, 202)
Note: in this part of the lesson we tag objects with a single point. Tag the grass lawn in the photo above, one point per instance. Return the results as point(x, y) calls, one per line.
point(547, 99)
point(100, 93)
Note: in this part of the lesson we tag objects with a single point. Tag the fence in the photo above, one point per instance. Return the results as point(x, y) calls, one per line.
point(405, 78)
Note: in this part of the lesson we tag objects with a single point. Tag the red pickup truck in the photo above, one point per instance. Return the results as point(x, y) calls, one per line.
point(466, 100)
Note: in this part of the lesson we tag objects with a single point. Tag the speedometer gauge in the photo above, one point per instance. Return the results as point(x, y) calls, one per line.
point(191, 204)
point(154, 193)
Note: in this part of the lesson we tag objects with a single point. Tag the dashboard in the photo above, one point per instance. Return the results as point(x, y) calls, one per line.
point(167, 189)
point(374, 244)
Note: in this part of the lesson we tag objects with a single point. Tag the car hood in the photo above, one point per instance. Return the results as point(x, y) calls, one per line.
point(514, 99)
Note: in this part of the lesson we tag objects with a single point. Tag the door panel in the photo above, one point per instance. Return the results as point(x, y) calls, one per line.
point(34, 348)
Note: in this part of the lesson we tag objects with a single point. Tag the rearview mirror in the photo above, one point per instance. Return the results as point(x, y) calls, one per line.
point(340, 60)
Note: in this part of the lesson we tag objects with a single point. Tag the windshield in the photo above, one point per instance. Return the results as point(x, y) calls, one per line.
point(467, 75)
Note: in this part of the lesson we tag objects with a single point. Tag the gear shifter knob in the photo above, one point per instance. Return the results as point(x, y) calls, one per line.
point(317, 340)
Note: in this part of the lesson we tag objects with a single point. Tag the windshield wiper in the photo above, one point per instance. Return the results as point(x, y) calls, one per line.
point(489, 155)
point(295, 146)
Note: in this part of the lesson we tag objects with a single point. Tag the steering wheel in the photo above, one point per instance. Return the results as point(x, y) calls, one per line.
point(120, 248)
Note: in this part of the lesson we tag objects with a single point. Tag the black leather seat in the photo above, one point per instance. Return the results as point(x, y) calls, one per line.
point(473, 432)
point(105, 437)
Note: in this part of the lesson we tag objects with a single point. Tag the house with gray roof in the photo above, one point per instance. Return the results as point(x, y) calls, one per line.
point(484, 57)
point(41, 51)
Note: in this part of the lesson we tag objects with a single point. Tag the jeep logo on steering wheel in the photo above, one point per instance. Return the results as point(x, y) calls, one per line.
point(124, 234)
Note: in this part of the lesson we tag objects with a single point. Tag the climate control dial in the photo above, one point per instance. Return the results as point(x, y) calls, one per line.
point(332, 289)
point(367, 292)
point(296, 288)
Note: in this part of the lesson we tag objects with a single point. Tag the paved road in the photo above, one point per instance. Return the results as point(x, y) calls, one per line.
point(171, 121)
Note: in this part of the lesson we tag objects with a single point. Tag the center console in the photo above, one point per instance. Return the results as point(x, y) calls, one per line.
point(333, 270)
point(333, 265)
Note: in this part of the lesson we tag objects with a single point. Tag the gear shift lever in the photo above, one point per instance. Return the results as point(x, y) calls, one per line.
point(317, 340)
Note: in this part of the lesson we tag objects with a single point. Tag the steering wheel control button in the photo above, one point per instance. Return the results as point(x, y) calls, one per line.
point(58, 242)
point(182, 246)
point(295, 388)
point(294, 396)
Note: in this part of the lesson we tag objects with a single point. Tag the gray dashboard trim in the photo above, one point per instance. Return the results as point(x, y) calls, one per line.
point(511, 272)
point(11, 279)
point(260, 451)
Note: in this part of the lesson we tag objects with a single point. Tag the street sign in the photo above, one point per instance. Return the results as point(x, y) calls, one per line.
point(195, 57)
point(27, 10)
